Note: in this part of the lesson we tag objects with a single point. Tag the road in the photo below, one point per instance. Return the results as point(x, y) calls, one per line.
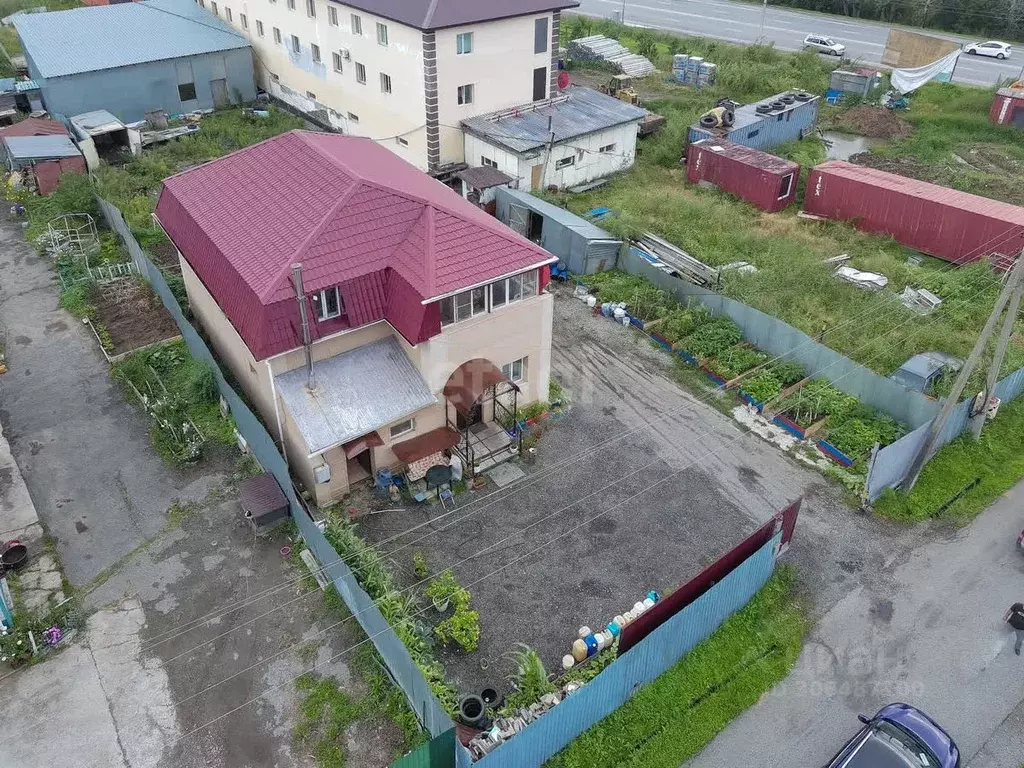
point(741, 23)
point(933, 636)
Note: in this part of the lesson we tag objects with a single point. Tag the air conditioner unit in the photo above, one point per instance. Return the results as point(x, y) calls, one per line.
point(345, 54)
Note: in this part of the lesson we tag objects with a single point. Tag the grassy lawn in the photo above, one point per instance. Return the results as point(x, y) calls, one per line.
point(792, 283)
point(674, 717)
point(997, 459)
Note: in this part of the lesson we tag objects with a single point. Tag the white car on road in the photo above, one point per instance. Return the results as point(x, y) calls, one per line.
point(823, 44)
point(991, 48)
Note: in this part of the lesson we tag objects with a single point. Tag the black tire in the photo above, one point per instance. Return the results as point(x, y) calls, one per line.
point(762, 109)
point(777, 105)
point(787, 99)
point(471, 709)
point(1000, 56)
point(803, 96)
point(708, 121)
point(728, 118)
point(971, 52)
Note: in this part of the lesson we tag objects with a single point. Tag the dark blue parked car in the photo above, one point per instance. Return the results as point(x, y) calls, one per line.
point(898, 736)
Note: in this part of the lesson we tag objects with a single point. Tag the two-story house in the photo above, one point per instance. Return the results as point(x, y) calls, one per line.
point(402, 72)
point(372, 315)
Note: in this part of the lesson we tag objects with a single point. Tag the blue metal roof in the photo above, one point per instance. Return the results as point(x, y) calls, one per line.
point(566, 218)
point(40, 147)
point(109, 36)
point(579, 112)
point(22, 86)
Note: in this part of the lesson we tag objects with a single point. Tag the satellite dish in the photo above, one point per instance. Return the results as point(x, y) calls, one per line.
point(563, 80)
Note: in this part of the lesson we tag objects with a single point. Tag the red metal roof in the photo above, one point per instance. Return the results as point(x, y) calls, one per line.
point(353, 214)
point(35, 126)
point(755, 158)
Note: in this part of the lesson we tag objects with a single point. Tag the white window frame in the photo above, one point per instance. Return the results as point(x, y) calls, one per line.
point(463, 43)
point(336, 61)
point(787, 185)
point(465, 305)
point(227, 14)
point(332, 15)
point(321, 302)
point(356, 23)
point(353, 117)
point(291, 5)
point(402, 428)
point(314, 51)
point(607, 149)
point(277, 35)
point(311, 8)
point(509, 370)
point(310, 95)
point(243, 20)
point(382, 34)
point(465, 94)
point(401, 141)
point(487, 162)
point(296, 44)
point(259, 28)
point(213, 7)
point(385, 83)
point(360, 73)
point(512, 289)
point(565, 162)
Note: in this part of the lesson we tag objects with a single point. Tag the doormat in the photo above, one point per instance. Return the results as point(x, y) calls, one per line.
point(505, 473)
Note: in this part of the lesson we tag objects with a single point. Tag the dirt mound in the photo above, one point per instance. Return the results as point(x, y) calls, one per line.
point(875, 123)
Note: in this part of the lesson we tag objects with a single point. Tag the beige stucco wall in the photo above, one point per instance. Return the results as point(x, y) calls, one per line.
point(333, 345)
point(500, 69)
point(382, 116)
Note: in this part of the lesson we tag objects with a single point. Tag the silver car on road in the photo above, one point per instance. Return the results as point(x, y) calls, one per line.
point(823, 44)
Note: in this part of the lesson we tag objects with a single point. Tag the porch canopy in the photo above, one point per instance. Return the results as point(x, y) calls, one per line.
point(427, 444)
point(354, 447)
point(471, 380)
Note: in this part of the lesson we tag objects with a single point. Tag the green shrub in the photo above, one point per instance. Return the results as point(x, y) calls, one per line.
point(763, 386)
point(732, 362)
point(815, 400)
point(712, 338)
point(77, 301)
point(462, 627)
point(531, 680)
point(855, 432)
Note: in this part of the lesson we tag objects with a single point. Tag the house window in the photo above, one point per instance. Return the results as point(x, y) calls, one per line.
point(513, 289)
point(385, 83)
point(486, 162)
point(787, 186)
point(227, 13)
point(607, 148)
point(187, 91)
point(336, 59)
point(360, 73)
point(291, 5)
point(259, 27)
point(540, 83)
point(516, 370)
point(540, 35)
point(213, 7)
point(353, 117)
point(357, 25)
point(463, 306)
point(464, 43)
point(296, 46)
point(243, 20)
point(315, 50)
point(332, 15)
point(277, 35)
point(311, 8)
point(565, 162)
point(275, 77)
point(327, 303)
point(382, 33)
point(466, 94)
point(202, 3)
point(310, 95)
point(401, 141)
point(402, 428)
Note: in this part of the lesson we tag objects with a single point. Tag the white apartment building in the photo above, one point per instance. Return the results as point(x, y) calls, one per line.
point(402, 72)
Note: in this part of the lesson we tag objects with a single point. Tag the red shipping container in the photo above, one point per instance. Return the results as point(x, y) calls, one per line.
point(48, 172)
point(1008, 107)
point(939, 221)
point(767, 181)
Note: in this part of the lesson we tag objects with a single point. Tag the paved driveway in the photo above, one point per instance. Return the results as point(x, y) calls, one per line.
point(97, 485)
point(931, 635)
point(681, 484)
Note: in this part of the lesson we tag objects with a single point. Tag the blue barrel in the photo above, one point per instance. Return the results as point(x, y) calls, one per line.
point(591, 643)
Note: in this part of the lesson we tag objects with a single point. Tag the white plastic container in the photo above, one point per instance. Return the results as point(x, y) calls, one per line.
point(591, 301)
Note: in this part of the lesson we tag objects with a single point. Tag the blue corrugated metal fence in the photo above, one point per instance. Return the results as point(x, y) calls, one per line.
point(654, 655)
point(396, 657)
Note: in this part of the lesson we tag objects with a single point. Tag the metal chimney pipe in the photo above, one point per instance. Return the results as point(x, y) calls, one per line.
point(300, 296)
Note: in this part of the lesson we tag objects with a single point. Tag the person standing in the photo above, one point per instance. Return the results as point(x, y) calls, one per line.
point(1015, 618)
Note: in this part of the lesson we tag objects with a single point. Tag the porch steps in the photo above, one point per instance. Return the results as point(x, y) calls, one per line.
point(496, 459)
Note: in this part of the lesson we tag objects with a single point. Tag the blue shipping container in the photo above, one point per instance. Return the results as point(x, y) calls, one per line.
point(763, 131)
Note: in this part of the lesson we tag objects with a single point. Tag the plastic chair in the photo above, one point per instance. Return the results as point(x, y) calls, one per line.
point(447, 497)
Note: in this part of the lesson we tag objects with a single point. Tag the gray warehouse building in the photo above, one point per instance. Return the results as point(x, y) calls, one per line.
point(132, 58)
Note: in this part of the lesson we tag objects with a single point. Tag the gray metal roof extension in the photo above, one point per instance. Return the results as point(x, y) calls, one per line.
point(566, 218)
point(40, 147)
point(439, 14)
point(357, 392)
point(110, 36)
point(576, 113)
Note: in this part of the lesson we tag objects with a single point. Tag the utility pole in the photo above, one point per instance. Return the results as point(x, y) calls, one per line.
point(764, 12)
point(939, 422)
point(623, 19)
point(978, 420)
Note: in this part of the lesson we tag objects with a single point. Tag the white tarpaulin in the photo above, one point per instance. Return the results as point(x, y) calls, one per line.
point(907, 80)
